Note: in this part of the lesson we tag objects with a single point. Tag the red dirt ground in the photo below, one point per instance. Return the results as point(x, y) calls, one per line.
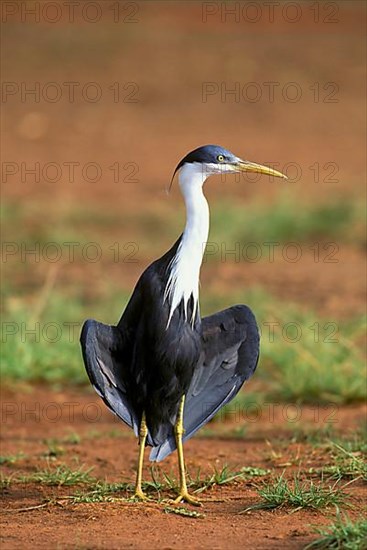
point(33, 418)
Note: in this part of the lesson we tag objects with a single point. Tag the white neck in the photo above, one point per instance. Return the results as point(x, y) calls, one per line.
point(183, 281)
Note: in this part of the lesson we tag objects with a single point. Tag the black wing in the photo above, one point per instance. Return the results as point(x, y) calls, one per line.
point(102, 347)
point(230, 355)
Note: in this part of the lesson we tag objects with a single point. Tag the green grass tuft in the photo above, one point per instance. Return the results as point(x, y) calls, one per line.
point(347, 464)
point(5, 482)
point(220, 477)
point(53, 448)
point(101, 491)
point(343, 534)
point(11, 459)
point(300, 494)
point(224, 476)
point(60, 475)
point(72, 439)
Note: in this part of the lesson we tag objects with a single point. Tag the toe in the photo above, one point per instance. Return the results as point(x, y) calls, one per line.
point(187, 498)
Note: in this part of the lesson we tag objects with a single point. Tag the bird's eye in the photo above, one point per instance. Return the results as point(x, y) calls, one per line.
point(220, 158)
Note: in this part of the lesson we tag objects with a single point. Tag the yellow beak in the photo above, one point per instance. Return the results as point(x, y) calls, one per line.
point(247, 166)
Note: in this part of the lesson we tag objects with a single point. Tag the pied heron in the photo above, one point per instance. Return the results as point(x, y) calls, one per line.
point(162, 369)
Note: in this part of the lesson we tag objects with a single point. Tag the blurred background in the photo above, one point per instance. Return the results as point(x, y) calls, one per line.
point(101, 103)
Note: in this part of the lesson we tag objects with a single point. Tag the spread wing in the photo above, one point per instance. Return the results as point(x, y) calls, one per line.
point(103, 347)
point(230, 355)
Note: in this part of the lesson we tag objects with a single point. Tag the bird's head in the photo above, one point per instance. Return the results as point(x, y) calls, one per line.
point(208, 160)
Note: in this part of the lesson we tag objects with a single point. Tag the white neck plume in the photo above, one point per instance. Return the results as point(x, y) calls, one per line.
point(183, 280)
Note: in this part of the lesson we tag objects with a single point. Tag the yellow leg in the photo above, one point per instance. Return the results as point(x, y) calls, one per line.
point(179, 431)
point(143, 432)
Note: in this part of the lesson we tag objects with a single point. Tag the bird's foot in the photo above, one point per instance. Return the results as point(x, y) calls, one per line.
point(139, 495)
point(186, 497)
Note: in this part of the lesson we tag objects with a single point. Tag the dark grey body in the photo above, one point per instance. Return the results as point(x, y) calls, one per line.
point(141, 365)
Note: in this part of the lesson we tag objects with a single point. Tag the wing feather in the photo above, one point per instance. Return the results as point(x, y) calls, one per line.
point(102, 347)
